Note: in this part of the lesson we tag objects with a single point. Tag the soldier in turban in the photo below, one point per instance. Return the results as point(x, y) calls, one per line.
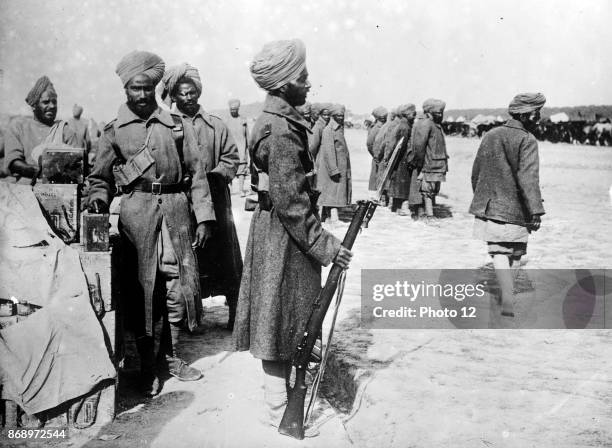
point(400, 180)
point(380, 118)
point(152, 157)
point(507, 202)
point(220, 261)
point(315, 110)
point(314, 139)
point(378, 147)
point(287, 245)
point(430, 156)
point(306, 111)
point(27, 137)
point(80, 128)
point(174, 75)
point(239, 129)
point(334, 167)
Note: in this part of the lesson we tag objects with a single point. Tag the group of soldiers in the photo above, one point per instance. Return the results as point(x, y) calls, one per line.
point(330, 153)
point(422, 160)
point(173, 168)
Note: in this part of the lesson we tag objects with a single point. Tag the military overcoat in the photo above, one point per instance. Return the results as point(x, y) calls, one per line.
point(334, 168)
point(287, 245)
point(372, 132)
point(141, 213)
point(505, 176)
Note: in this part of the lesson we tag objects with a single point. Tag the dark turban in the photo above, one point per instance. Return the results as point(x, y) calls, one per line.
point(336, 109)
point(405, 109)
point(434, 105)
point(380, 112)
point(140, 63)
point(278, 63)
point(174, 74)
point(233, 103)
point(42, 85)
point(526, 102)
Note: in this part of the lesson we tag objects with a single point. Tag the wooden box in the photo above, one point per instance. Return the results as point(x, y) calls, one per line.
point(62, 165)
point(100, 263)
point(60, 205)
point(95, 232)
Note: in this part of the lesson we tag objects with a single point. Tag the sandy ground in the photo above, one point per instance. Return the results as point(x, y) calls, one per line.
point(416, 388)
point(472, 388)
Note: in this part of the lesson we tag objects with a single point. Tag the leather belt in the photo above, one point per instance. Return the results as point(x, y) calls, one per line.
point(154, 188)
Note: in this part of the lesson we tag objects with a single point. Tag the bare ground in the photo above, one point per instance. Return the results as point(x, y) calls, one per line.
point(416, 388)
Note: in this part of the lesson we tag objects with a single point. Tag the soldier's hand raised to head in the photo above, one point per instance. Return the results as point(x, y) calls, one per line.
point(343, 257)
point(202, 234)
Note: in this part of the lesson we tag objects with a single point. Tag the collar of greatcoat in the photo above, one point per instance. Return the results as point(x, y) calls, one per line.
point(278, 106)
point(512, 123)
point(125, 116)
point(200, 113)
point(334, 124)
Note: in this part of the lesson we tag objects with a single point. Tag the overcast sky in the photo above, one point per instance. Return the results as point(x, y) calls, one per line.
point(361, 53)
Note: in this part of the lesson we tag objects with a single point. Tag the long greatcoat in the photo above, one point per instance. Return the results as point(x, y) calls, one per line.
point(399, 183)
point(142, 213)
point(505, 176)
point(334, 168)
point(220, 261)
point(287, 245)
point(372, 132)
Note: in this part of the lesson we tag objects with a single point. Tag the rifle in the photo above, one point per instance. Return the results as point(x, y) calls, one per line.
point(292, 423)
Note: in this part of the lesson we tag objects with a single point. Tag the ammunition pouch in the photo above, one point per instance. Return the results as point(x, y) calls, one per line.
point(126, 173)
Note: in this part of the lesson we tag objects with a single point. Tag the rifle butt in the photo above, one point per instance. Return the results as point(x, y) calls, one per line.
point(292, 423)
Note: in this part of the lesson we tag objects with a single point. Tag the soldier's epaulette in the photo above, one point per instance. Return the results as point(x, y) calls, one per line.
point(110, 124)
point(215, 116)
point(267, 129)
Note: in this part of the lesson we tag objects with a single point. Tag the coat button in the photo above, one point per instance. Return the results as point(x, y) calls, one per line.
point(159, 201)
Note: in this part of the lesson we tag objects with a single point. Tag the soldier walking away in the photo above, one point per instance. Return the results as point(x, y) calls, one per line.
point(151, 157)
point(507, 202)
point(287, 245)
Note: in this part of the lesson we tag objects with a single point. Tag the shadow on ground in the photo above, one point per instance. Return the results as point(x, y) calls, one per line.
point(348, 365)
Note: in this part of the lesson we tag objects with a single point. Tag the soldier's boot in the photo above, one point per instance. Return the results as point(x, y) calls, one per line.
point(176, 366)
point(150, 384)
point(333, 216)
point(405, 209)
point(428, 206)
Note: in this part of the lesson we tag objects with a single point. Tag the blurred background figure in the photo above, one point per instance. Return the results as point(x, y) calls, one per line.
point(239, 130)
point(334, 167)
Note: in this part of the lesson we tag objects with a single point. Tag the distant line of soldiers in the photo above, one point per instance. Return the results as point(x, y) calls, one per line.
point(330, 153)
point(422, 162)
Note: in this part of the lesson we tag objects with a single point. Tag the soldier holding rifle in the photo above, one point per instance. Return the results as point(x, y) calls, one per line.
point(287, 245)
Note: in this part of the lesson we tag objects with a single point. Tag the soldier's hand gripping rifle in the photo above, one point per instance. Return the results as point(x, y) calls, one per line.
point(292, 423)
